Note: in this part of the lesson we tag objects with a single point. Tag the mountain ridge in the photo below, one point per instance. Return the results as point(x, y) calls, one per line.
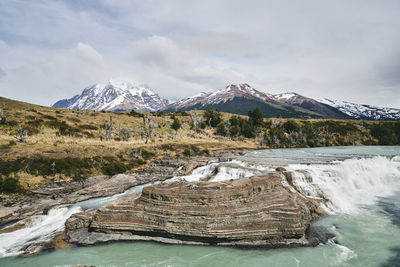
point(239, 98)
point(235, 98)
point(115, 96)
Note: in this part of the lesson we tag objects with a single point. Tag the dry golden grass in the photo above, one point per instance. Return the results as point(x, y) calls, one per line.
point(48, 142)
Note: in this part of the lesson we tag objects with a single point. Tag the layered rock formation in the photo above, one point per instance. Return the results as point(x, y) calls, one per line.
point(257, 211)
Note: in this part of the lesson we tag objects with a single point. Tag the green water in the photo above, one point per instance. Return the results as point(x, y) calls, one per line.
point(368, 239)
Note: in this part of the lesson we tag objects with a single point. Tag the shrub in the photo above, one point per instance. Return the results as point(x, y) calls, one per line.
point(212, 117)
point(146, 154)
point(135, 113)
point(256, 117)
point(176, 124)
point(290, 126)
point(140, 161)
point(12, 143)
point(88, 127)
point(186, 152)
point(10, 185)
point(385, 133)
point(221, 129)
point(114, 167)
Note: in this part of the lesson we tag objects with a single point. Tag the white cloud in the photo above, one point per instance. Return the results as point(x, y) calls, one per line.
point(57, 75)
point(161, 55)
point(345, 50)
point(3, 45)
point(88, 53)
point(2, 73)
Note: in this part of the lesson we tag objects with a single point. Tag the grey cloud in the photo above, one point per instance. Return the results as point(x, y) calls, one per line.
point(338, 49)
point(2, 73)
point(165, 56)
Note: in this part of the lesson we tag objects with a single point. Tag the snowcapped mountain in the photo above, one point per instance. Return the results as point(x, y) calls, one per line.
point(225, 95)
point(311, 104)
point(360, 111)
point(240, 99)
point(115, 96)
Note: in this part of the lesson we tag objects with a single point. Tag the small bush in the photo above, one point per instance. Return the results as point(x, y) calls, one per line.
point(146, 154)
point(140, 161)
point(212, 117)
point(135, 113)
point(12, 143)
point(256, 117)
point(221, 130)
point(10, 185)
point(114, 167)
point(49, 117)
point(176, 124)
point(186, 152)
point(88, 127)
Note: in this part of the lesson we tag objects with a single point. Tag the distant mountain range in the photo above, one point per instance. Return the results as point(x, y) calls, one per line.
point(239, 99)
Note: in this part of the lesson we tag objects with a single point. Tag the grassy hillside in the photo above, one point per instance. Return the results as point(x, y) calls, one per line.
point(42, 144)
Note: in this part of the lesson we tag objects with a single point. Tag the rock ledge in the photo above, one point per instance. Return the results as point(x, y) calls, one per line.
point(258, 211)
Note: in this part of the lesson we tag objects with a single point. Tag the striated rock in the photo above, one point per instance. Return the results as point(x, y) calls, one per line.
point(258, 211)
point(55, 194)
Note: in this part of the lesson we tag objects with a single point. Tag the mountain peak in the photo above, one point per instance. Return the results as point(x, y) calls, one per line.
point(115, 95)
point(240, 87)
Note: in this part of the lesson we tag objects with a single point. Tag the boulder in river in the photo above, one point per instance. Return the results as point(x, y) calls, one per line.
point(260, 211)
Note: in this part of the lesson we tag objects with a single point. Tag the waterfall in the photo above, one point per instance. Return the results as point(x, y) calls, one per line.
point(348, 184)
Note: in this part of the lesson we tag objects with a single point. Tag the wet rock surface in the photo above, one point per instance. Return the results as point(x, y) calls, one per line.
point(248, 212)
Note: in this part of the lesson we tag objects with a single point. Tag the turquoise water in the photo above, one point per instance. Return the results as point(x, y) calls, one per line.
point(365, 217)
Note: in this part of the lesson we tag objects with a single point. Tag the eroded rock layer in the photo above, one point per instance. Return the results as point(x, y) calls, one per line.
point(256, 211)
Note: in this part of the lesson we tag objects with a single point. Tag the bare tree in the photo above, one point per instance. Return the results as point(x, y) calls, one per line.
point(123, 133)
point(107, 129)
point(195, 121)
point(147, 128)
point(22, 135)
point(2, 118)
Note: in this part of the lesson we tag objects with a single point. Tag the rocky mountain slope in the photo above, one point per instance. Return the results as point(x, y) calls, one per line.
point(240, 99)
point(360, 111)
point(311, 104)
point(115, 96)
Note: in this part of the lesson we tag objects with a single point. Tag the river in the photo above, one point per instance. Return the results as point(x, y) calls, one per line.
point(361, 186)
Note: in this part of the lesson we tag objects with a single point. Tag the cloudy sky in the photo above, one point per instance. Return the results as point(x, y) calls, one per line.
point(339, 49)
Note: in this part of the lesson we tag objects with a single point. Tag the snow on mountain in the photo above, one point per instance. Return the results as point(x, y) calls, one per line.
point(352, 110)
point(116, 95)
point(310, 104)
point(361, 111)
point(285, 96)
point(221, 96)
